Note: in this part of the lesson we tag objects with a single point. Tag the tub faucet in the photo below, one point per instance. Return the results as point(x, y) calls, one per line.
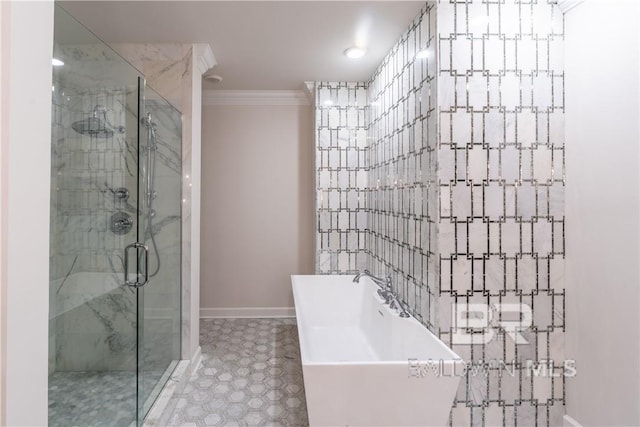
point(384, 284)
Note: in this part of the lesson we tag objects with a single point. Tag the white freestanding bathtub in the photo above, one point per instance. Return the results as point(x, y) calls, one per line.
point(363, 365)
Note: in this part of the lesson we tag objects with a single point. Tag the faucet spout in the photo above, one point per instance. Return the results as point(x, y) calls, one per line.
point(383, 284)
point(386, 282)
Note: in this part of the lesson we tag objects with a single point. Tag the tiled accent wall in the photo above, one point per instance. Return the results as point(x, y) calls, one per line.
point(501, 191)
point(341, 177)
point(402, 146)
point(465, 192)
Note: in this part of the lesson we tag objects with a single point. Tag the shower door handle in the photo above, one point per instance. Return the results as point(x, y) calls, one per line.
point(136, 283)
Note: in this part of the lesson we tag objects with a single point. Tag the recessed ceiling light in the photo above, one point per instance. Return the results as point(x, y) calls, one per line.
point(56, 62)
point(355, 52)
point(424, 53)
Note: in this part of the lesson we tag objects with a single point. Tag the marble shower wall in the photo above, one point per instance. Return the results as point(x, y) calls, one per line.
point(93, 318)
point(164, 66)
point(85, 170)
point(501, 198)
point(162, 299)
point(402, 199)
point(341, 177)
point(168, 69)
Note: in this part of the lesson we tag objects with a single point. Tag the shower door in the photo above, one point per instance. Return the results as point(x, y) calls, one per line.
point(159, 230)
point(114, 323)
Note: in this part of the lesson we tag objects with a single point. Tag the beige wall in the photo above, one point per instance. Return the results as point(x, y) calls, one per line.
point(602, 143)
point(257, 205)
point(4, 168)
point(27, 41)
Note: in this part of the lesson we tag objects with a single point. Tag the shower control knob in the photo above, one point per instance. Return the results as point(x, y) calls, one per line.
point(121, 223)
point(121, 193)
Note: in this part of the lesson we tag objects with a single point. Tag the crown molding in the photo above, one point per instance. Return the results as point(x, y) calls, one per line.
point(566, 5)
point(203, 57)
point(254, 97)
point(309, 89)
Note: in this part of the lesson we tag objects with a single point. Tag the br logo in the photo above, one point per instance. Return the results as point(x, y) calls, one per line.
point(477, 323)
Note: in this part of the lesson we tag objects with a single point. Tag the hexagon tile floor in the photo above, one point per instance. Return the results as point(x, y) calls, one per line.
point(250, 376)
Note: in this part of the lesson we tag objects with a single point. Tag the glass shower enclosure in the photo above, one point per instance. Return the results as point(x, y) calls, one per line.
point(114, 315)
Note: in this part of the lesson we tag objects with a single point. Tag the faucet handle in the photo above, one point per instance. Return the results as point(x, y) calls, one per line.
point(384, 294)
point(397, 305)
point(388, 297)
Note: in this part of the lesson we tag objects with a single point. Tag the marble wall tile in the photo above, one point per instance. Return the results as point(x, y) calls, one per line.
point(464, 188)
point(341, 177)
point(86, 170)
point(402, 147)
point(82, 197)
point(168, 70)
point(496, 173)
point(163, 66)
point(99, 334)
point(187, 139)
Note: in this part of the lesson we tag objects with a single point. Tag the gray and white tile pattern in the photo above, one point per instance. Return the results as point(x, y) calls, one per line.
point(463, 171)
point(341, 177)
point(92, 398)
point(250, 376)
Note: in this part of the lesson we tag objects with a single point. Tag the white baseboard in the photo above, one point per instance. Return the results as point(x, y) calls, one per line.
point(568, 421)
point(247, 312)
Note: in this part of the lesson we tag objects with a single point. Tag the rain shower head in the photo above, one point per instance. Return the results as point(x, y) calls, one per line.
point(94, 125)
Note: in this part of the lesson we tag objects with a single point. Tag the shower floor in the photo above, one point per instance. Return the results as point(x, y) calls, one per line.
point(95, 398)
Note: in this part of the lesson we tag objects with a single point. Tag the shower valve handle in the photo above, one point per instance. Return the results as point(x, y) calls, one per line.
point(121, 193)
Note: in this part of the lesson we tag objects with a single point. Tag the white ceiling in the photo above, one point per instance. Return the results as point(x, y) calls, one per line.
point(260, 45)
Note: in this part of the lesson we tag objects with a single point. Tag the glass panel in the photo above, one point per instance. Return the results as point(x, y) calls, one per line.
point(160, 230)
point(94, 177)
